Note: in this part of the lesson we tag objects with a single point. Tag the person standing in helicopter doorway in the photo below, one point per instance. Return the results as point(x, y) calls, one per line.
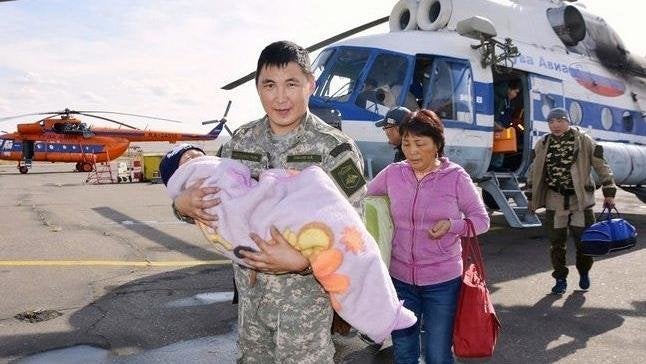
point(560, 180)
point(504, 96)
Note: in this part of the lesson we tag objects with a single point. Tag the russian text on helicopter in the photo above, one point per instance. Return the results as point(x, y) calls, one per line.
point(60, 137)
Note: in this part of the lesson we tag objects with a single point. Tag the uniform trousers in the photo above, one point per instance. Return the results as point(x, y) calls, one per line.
point(559, 217)
point(283, 319)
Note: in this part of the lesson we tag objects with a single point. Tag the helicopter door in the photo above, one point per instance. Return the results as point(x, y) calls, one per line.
point(28, 150)
point(546, 93)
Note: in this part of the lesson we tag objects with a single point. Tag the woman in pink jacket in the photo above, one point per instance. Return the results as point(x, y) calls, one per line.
point(429, 199)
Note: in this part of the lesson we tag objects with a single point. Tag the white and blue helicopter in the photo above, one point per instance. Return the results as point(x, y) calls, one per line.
point(451, 55)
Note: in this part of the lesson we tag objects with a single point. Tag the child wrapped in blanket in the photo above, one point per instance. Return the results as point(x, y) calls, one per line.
point(316, 219)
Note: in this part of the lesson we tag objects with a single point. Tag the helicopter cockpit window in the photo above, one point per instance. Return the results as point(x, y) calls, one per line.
point(450, 90)
point(319, 63)
point(8, 145)
point(384, 84)
point(339, 82)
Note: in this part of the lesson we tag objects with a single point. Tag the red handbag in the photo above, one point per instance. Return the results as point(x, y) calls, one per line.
point(476, 326)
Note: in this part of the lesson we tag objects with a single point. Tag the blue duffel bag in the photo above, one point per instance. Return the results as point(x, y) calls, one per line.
point(608, 235)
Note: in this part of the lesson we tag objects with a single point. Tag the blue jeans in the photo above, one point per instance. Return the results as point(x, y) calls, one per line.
point(435, 305)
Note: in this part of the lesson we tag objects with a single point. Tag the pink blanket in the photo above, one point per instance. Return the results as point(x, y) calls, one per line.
point(316, 219)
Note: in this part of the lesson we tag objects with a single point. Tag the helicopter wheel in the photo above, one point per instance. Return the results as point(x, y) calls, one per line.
point(86, 167)
point(23, 169)
point(79, 167)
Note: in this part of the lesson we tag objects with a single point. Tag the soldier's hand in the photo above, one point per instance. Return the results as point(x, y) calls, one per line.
point(275, 256)
point(439, 229)
point(194, 201)
point(609, 202)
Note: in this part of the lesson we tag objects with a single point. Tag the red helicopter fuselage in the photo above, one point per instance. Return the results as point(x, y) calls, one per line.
point(70, 141)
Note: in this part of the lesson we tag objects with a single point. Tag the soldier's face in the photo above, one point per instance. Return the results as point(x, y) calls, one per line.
point(284, 93)
point(392, 133)
point(558, 126)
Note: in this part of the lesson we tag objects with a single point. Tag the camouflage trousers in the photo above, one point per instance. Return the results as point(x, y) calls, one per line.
point(283, 319)
point(557, 232)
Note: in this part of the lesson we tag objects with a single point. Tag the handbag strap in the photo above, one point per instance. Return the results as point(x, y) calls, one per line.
point(472, 250)
point(608, 212)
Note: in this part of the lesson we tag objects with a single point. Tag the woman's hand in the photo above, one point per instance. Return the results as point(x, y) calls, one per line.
point(192, 202)
point(439, 229)
point(275, 256)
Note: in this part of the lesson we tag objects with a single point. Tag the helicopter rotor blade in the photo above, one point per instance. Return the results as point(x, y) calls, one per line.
point(346, 34)
point(314, 47)
point(30, 114)
point(137, 115)
point(107, 119)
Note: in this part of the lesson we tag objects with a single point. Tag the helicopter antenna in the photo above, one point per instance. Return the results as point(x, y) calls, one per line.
point(221, 121)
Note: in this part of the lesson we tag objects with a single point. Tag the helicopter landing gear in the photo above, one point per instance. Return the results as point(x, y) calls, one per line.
point(23, 169)
point(84, 167)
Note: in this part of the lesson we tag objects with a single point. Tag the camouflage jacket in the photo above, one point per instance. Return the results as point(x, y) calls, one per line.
point(587, 155)
point(313, 143)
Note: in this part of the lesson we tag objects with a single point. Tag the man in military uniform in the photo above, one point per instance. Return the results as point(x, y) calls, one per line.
point(559, 179)
point(283, 318)
point(390, 124)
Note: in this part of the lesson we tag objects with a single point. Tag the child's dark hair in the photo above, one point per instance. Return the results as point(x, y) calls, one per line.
point(513, 84)
point(279, 54)
point(423, 123)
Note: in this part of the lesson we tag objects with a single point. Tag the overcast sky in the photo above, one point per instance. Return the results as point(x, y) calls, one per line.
point(169, 58)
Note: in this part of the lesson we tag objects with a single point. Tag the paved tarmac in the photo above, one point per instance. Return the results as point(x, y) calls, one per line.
point(109, 276)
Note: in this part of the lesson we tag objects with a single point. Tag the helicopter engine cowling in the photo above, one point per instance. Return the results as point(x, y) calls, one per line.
point(403, 16)
point(589, 34)
point(32, 128)
point(433, 14)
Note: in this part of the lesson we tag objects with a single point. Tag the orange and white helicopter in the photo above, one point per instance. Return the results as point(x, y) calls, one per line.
point(60, 137)
point(452, 55)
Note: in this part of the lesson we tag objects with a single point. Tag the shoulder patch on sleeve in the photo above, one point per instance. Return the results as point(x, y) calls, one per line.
point(598, 151)
point(348, 177)
point(340, 149)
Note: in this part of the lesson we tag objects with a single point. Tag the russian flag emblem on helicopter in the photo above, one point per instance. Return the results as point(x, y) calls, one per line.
point(600, 85)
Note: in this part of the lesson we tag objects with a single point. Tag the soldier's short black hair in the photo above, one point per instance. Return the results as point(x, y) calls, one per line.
point(279, 54)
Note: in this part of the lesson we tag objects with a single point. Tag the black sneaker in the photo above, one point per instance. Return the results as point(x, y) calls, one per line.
point(584, 281)
point(560, 286)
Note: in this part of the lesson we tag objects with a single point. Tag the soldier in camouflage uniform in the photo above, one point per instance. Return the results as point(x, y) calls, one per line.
point(284, 318)
point(559, 179)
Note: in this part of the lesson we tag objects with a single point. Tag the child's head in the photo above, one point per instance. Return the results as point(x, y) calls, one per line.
point(175, 158)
